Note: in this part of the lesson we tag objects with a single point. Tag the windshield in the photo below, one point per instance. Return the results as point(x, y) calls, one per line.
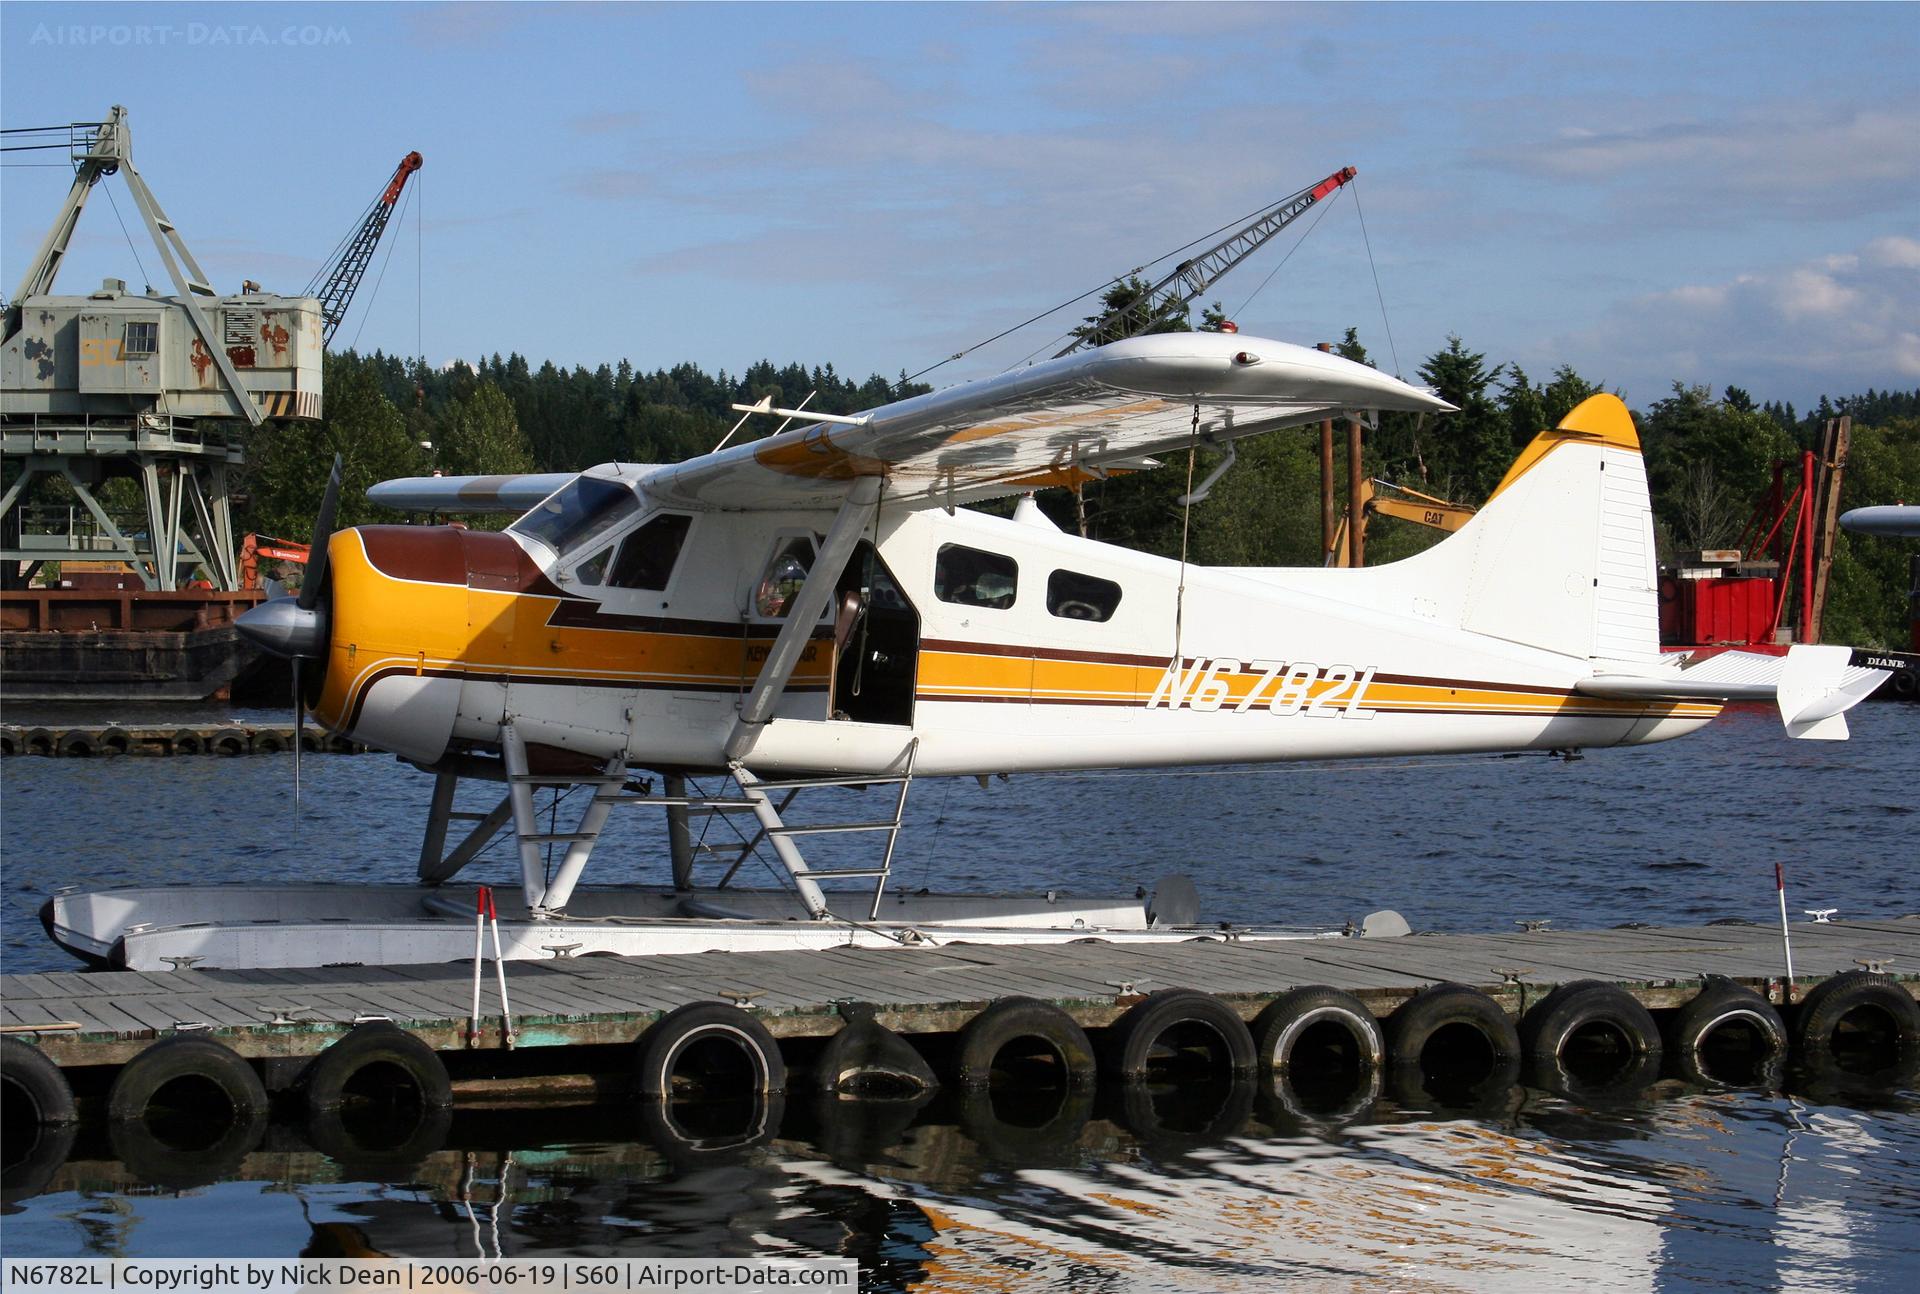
point(578, 513)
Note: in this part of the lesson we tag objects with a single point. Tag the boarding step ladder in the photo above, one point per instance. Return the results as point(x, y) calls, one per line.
point(613, 788)
point(785, 838)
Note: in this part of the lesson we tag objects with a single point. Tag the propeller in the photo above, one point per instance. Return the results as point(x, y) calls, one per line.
point(309, 598)
point(297, 627)
point(322, 531)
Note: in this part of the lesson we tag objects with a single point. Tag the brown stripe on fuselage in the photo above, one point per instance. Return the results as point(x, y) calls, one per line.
point(481, 559)
point(958, 647)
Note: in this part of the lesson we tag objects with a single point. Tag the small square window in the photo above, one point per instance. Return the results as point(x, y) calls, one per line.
point(142, 339)
point(973, 578)
point(1073, 596)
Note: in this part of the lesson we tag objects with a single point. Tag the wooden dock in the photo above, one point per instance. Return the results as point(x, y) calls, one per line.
point(86, 1019)
point(106, 741)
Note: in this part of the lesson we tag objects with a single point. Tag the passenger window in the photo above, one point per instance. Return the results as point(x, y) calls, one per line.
point(973, 578)
point(1073, 596)
point(647, 557)
point(785, 574)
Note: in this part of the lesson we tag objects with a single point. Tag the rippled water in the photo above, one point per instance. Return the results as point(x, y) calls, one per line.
point(1688, 1189)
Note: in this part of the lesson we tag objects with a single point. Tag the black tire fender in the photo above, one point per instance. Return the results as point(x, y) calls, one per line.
point(41, 1117)
point(1552, 1022)
point(1718, 1005)
point(1439, 1006)
point(867, 1058)
point(1013, 1019)
point(1834, 1003)
point(1280, 1027)
point(116, 742)
point(323, 1083)
point(184, 1055)
point(1131, 1039)
point(161, 1162)
point(669, 1038)
point(26, 1075)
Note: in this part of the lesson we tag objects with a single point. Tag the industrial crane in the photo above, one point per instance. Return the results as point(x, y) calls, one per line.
point(1196, 274)
point(1420, 509)
point(339, 278)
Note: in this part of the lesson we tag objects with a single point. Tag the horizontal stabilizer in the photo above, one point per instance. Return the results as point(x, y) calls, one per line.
point(1813, 686)
point(513, 494)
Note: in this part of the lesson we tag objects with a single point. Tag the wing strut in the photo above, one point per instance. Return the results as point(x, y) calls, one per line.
point(804, 613)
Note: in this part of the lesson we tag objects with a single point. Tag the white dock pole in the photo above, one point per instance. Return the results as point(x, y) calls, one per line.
point(500, 970)
point(479, 935)
point(1786, 936)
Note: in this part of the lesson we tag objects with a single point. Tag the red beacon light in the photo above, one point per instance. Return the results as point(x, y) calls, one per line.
point(1228, 325)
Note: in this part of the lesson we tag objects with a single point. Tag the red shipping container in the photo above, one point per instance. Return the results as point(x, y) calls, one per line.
point(1729, 610)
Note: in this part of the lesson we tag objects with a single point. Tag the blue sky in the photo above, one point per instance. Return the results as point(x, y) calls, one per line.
point(1720, 194)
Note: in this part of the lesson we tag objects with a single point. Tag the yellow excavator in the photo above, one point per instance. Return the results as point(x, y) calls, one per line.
point(1406, 504)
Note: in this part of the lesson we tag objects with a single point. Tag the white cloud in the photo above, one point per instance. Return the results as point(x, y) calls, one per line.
point(1833, 324)
point(1805, 292)
point(1681, 161)
point(1894, 252)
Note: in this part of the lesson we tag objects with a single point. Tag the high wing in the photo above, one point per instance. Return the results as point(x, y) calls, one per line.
point(1063, 422)
point(1814, 686)
point(1058, 423)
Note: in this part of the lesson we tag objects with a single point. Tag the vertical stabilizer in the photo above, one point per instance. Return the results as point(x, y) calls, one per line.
point(1561, 557)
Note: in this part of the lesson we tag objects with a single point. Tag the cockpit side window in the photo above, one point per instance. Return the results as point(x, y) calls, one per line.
point(594, 568)
point(648, 555)
point(578, 513)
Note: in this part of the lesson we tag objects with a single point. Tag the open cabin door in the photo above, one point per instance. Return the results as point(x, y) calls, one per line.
point(876, 643)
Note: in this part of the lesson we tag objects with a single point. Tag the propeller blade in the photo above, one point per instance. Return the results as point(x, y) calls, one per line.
point(322, 532)
point(299, 731)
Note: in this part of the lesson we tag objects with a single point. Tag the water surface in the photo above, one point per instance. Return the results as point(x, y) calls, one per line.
point(1686, 1189)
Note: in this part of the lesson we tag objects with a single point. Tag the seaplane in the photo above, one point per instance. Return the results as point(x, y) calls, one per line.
point(822, 609)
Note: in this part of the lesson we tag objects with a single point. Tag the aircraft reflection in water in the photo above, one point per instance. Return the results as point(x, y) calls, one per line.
point(1733, 1190)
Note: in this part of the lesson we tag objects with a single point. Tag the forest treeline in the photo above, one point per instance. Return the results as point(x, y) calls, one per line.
point(1709, 456)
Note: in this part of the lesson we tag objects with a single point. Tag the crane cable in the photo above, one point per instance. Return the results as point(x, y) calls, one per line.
point(1392, 349)
point(1135, 271)
point(381, 276)
point(144, 276)
point(1318, 217)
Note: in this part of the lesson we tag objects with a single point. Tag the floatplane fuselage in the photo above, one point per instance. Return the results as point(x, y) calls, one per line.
point(817, 608)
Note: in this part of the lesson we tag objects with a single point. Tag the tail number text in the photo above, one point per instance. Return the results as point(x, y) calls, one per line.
point(1281, 687)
